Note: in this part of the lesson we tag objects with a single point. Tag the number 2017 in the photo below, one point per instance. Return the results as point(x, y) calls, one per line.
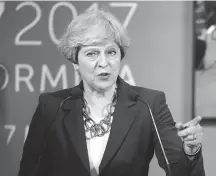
point(18, 41)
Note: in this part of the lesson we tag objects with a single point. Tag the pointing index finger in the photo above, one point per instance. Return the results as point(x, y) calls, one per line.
point(194, 121)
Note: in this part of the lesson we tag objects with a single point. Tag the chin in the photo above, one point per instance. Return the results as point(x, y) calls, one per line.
point(104, 85)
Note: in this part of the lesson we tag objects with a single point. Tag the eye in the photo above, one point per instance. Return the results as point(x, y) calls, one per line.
point(112, 52)
point(92, 54)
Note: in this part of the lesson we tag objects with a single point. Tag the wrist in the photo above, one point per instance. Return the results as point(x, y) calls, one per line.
point(192, 151)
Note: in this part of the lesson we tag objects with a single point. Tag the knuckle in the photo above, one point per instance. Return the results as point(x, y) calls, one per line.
point(190, 130)
point(187, 142)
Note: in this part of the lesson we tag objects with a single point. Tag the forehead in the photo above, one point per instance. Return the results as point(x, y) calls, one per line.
point(99, 36)
point(101, 44)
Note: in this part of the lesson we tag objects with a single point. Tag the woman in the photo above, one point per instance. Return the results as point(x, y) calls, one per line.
point(102, 127)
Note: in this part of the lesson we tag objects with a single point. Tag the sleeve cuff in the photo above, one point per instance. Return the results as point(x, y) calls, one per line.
point(190, 155)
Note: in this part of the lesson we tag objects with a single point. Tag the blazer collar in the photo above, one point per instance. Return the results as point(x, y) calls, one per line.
point(125, 94)
point(123, 118)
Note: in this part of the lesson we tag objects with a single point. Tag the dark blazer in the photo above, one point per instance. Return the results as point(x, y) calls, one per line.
point(56, 144)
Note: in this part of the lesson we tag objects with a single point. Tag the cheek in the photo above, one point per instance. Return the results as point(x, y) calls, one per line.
point(87, 67)
point(116, 65)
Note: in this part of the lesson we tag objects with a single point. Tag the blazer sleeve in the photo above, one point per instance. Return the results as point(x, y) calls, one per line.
point(33, 146)
point(179, 163)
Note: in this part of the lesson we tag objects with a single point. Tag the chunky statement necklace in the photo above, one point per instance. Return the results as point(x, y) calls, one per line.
point(93, 129)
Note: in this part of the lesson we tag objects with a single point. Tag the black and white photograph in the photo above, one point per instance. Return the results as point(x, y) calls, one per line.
point(108, 88)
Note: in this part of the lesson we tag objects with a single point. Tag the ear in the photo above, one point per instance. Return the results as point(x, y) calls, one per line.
point(75, 66)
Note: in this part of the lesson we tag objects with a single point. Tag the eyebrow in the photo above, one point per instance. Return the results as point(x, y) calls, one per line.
point(89, 47)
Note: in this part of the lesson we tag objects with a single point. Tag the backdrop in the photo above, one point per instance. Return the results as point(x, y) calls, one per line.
point(30, 63)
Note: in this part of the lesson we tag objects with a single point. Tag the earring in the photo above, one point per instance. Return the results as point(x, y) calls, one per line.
point(76, 67)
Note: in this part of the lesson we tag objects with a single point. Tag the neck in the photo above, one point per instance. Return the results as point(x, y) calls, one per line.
point(95, 97)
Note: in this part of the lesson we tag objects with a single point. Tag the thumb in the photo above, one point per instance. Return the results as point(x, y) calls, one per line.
point(179, 125)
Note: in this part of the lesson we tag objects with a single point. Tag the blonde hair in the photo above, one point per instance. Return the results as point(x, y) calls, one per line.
point(78, 33)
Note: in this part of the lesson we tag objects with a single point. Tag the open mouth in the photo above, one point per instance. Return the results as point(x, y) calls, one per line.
point(104, 75)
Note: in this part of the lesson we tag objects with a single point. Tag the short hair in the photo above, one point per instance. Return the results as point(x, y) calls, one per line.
point(78, 32)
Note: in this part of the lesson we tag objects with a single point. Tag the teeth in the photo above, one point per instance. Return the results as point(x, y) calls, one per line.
point(103, 74)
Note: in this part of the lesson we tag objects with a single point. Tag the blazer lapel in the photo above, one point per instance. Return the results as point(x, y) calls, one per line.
point(75, 127)
point(123, 117)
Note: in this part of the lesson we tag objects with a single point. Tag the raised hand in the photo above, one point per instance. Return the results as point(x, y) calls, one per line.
point(192, 134)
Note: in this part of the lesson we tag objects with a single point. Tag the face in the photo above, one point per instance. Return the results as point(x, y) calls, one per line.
point(99, 65)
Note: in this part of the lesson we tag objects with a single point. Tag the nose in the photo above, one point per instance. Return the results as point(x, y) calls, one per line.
point(103, 62)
